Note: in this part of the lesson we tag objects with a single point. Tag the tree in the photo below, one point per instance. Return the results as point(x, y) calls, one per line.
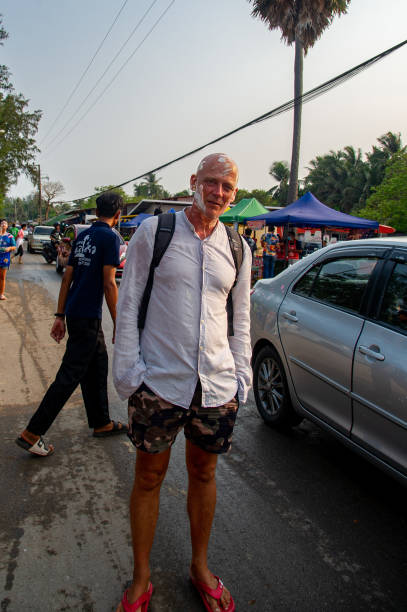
point(388, 203)
point(344, 180)
point(51, 190)
point(301, 22)
point(18, 128)
point(91, 202)
point(389, 144)
point(261, 196)
point(150, 187)
point(339, 179)
point(280, 171)
point(183, 194)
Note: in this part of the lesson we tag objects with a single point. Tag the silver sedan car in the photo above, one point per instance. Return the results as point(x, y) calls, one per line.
point(329, 337)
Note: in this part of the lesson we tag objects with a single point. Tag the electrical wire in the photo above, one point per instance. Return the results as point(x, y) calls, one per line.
point(85, 71)
point(307, 97)
point(99, 79)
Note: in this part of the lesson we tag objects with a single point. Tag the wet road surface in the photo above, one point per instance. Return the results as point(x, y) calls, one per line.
point(301, 523)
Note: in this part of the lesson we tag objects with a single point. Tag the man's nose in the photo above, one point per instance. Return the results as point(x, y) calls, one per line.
point(218, 189)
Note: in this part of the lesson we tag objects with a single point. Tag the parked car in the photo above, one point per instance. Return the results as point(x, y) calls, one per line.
point(40, 236)
point(329, 337)
point(73, 231)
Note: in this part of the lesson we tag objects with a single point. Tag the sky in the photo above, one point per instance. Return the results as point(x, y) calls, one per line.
point(205, 68)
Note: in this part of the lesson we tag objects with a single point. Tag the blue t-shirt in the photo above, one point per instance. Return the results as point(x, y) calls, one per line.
point(94, 248)
point(6, 240)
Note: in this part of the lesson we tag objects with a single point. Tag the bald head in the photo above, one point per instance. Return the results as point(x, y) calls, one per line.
point(220, 161)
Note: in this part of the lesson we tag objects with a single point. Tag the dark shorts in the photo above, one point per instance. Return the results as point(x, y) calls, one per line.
point(155, 423)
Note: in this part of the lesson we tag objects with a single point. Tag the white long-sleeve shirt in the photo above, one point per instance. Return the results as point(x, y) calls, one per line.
point(185, 333)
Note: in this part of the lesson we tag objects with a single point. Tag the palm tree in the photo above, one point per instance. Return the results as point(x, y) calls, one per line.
point(301, 22)
point(280, 171)
point(150, 187)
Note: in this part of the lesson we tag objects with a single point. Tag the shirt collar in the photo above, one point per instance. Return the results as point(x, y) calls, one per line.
point(192, 228)
point(100, 224)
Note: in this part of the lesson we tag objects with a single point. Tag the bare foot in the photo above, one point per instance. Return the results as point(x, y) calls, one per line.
point(209, 579)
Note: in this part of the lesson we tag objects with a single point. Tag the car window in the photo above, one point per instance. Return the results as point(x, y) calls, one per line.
point(45, 231)
point(394, 305)
point(341, 282)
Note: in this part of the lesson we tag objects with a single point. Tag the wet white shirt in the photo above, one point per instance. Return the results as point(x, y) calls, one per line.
point(185, 334)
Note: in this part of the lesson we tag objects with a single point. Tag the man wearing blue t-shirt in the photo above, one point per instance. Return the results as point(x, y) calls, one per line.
point(89, 275)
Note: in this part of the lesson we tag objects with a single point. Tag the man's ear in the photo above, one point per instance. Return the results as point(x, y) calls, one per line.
point(234, 195)
point(192, 182)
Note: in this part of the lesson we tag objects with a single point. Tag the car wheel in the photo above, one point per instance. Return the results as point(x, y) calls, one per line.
point(271, 390)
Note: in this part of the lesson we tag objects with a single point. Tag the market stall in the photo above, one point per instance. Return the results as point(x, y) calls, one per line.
point(309, 212)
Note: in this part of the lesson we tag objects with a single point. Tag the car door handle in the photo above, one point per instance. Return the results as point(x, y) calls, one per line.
point(371, 352)
point(290, 316)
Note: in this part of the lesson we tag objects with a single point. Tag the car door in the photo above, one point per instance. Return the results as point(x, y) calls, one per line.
point(380, 371)
point(320, 321)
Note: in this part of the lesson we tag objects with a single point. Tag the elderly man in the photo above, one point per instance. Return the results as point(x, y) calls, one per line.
point(184, 370)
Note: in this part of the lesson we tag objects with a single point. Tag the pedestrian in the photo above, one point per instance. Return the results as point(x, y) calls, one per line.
point(248, 237)
point(14, 230)
point(7, 244)
point(89, 275)
point(19, 243)
point(184, 370)
point(269, 242)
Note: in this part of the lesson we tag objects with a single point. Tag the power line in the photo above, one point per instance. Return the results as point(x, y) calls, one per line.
point(114, 77)
point(101, 77)
point(306, 97)
point(86, 70)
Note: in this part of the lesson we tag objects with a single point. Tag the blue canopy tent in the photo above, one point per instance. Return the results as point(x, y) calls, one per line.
point(135, 222)
point(307, 211)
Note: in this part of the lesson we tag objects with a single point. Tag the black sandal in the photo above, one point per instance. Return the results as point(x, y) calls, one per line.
point(118, 428)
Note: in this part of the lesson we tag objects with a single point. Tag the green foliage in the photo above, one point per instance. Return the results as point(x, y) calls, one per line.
point(20, 209)
point(91, 202)
point(18, 128)
point(150, 188)
point(280, 171)
point(182, 194)
point(388, 203)
point(261, 196)
point(344, 180)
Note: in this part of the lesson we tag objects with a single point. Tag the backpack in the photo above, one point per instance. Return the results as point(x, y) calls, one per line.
point(163, 237)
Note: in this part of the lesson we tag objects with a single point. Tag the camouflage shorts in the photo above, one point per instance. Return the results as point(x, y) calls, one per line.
point(155, 423)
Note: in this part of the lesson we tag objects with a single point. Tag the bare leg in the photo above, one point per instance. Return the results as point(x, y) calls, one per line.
point(144, 506)
point(201, 509)
point(3, 272)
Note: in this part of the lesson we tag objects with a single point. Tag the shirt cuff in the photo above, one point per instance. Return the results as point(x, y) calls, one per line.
point(129, 382)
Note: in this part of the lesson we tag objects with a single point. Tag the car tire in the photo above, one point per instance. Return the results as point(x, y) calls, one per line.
point(271, 390)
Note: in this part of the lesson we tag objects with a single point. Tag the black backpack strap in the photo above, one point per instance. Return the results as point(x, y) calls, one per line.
point(236, 247)
point(163, 236)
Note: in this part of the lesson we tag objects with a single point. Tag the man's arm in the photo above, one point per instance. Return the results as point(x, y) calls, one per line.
point(58, 328)
point(128, 363)
point(111, 293)
point(240, 344)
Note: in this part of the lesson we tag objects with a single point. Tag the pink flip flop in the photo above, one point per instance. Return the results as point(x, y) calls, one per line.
point(140, 604)
point(203, 588)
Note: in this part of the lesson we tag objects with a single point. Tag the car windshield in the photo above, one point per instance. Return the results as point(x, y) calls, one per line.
point(45, 231)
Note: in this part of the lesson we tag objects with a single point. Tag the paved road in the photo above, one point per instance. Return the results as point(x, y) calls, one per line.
point(301, 524)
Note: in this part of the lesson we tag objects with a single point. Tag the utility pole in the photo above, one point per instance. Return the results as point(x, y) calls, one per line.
point(39, 194)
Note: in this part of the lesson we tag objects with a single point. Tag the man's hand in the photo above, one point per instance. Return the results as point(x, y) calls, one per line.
point(58, 329)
